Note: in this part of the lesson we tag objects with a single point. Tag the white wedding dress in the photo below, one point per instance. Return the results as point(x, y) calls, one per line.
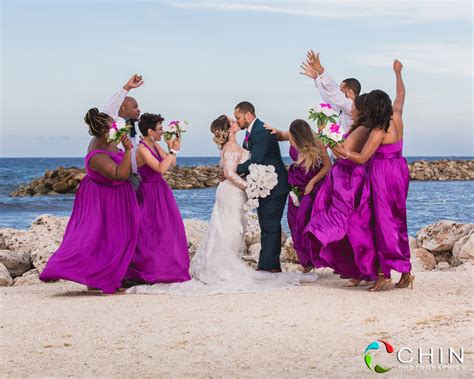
point(217, 266)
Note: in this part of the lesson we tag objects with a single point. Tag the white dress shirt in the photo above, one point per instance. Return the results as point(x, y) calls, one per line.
point(251, 124)
point(331, 93)
point(112, 108)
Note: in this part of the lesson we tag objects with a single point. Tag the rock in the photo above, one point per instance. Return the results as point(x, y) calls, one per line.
point(425, 258)
point(16, 262)
point(61, 187)
point(413, 243)
point(41, 253)
point(195, 231)
point(5, 278)
point(443, 266)
point(463, 249)
point(28, 278)
point(289, 252)
point(442, 235)
point(253, 253)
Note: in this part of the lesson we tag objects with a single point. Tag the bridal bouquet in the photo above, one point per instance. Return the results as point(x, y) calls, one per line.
point(174, 129)
point(117, 131)
point(323, 114)
point(329, 131)
point(260, 181)
point(295, 196)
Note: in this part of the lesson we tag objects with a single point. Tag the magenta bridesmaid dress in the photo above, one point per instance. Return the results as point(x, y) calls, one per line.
point(161, 255)
point(298, 217)
point(341, 222)
point(389, 178)
point(101, 235)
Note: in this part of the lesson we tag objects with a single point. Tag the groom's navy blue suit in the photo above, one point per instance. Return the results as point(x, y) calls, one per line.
point(265, 149)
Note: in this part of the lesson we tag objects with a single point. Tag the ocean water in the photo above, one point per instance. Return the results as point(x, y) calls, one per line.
point(427, 202)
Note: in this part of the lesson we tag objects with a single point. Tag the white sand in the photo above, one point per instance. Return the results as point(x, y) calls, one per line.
point(317, 330)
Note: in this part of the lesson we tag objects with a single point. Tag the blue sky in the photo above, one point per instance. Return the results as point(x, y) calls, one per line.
point(200, 58)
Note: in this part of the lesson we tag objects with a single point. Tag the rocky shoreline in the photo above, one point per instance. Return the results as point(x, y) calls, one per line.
point(442, 246)
point(66, 180)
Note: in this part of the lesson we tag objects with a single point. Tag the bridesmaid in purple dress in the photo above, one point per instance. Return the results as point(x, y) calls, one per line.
point(310, 165)
point(100, 238)
point(389, 178)
point(340, 226)
point(161, 254)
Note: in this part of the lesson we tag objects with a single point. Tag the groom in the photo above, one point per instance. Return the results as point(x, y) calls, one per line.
point(265, 150)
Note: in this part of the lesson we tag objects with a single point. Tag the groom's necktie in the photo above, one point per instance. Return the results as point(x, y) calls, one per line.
point(246, 139)
point(133, 131)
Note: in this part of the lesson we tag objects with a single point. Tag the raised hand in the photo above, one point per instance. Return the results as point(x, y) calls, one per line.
point(308, 70)
point(271, 129)
point(127, 144)
point(135, 81)
point(397, 66)
point(313, 60)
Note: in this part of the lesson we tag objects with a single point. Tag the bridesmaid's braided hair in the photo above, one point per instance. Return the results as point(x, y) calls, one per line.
point(379, 110)
point(98, 122)
point(309, 152)
point(220, 128)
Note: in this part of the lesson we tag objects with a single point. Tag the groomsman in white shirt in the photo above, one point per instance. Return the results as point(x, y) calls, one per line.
point(122, 106)
point(340, 96)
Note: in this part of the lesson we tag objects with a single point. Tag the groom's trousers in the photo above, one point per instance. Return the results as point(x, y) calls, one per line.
point(270, 212)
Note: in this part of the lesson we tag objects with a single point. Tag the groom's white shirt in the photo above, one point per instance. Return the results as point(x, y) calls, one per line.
point(251, 125)
point(112, 108)
point(331, 93)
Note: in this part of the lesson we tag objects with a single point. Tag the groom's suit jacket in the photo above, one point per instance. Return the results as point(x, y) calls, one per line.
point(265, 149)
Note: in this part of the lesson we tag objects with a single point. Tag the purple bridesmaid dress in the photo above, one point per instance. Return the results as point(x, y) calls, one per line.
point(340, 226)
point(161, 255)
point(101, 235)
point(389, 178)
point(298, 217)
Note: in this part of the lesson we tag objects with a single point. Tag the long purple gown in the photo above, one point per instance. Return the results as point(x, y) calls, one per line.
point(161, 255)
point(389, 179)
point(340, 226)
point(100, 238)
point(298, 217)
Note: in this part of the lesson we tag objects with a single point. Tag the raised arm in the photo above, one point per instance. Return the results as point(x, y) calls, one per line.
point(280, 134)
point(400, 88)
point(231, 157)
point(261, 142)
point(376, 137)
point(113, 105)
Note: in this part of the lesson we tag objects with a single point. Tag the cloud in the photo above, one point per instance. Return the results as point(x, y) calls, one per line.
point(434, 58)
point(407, 11)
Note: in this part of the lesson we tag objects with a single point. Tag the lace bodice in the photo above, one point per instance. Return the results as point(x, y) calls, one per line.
point(229, 162)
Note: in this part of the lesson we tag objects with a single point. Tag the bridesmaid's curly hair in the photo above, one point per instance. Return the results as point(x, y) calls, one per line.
point(309, 153)
point(149, 121)
point(220, 128)
point(98, 122)
point(378, 110)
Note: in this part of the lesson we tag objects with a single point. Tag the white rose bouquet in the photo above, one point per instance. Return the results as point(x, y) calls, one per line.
point(260, 181)
point(323, 114)
point(329, 131)
point(117, 131)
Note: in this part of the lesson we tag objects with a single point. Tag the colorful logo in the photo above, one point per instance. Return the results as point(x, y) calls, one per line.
point(368, 358)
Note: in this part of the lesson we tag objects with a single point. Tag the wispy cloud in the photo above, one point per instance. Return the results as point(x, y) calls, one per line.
point(437, 58)
point(403, 10)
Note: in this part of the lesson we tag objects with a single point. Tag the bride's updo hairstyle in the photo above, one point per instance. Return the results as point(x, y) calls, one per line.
point(220, 128)
point(98, 122)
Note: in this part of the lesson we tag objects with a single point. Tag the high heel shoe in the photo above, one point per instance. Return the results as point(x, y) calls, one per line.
point(382, 284)
point(353, 283)
point(406, 281)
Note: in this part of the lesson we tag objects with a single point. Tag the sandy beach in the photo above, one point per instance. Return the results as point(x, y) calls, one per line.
point(316, 330)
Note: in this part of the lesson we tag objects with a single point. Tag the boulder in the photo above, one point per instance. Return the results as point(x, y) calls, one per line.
point(16, 262)
point(195, 231)
point(425, 258)
point(253, 253)
point(442, 235)
point(288, 253)
point(463, 249)
point(28, 278)
point(5, 278)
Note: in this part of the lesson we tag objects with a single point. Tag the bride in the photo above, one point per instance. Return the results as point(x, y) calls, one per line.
point(217, 266)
